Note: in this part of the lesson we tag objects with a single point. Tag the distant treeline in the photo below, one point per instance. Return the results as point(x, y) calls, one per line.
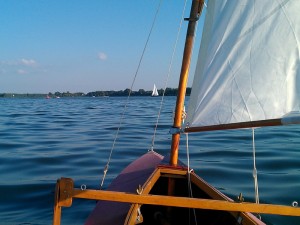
point(140, 92)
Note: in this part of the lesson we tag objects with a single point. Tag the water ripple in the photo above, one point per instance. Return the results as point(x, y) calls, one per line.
point(42, 140)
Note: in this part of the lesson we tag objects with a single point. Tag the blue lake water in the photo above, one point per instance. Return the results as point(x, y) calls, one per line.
point(42, 140)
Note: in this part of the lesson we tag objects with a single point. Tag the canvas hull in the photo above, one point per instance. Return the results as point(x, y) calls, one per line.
point(127, 181)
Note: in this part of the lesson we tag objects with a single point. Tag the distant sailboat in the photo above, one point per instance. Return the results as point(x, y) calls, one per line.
point(154, 91)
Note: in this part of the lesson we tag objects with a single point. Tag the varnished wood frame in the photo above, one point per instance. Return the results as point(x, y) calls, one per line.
point(65, 192)
point(247, 218)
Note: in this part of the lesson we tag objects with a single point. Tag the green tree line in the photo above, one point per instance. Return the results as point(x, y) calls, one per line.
point(140, 92)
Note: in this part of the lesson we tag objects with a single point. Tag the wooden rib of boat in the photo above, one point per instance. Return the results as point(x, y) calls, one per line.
point(162, 190)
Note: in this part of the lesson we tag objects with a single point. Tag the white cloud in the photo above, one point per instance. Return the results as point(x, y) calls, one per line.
point(102, 56)
point(20, 71)
point(21, 62)
point(20, 66)
point(28, 62)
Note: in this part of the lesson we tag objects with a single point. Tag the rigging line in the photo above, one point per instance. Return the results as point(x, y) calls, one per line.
point(129, 94)
point(189, 174)
point(254, 168)
point(168, 75)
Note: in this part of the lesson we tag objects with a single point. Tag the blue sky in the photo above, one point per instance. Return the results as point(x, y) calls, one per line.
point(80, 45)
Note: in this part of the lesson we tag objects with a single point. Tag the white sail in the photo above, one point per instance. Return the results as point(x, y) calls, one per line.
point(248, 67)
point(154, 91)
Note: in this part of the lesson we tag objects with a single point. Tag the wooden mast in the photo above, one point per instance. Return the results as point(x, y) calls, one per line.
point(196, 9)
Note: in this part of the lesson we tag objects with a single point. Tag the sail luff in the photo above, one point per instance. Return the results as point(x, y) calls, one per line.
point(248, 67)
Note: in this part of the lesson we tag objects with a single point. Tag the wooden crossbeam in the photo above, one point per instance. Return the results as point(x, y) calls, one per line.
point(186, 202)
point(65, 192)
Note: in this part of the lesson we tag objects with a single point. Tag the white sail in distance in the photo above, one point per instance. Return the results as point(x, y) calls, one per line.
point(248, 66)
point(154, 91)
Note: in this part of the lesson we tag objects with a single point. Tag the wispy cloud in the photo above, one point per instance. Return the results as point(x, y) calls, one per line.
point(21, 66)
point(8, 63)
point(20, 71)
point(28, 62)
point(102, 56)
point(21, 62)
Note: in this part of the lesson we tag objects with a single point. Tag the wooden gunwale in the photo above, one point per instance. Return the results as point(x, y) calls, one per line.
point(210, 204)
point(65, 192)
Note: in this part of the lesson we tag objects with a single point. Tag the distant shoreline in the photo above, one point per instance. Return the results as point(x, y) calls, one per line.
point(140, 92)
